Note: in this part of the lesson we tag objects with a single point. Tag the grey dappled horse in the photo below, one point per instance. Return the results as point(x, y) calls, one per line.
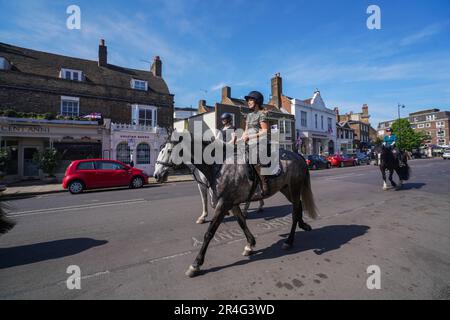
point(202, 184)
point(233, 184)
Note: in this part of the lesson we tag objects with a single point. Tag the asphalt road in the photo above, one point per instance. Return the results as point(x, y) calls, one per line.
point(137, 244)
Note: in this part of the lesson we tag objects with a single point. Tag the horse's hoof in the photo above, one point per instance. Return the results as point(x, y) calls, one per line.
point(200, 221)
point(192, 271)
point(385, 188)
point(286, 246)
point(247, 251)
point(305, 226)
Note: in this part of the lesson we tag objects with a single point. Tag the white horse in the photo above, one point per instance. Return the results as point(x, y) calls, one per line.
point(202, 184)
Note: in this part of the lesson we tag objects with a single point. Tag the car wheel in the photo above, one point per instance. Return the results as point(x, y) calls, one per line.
point(328, 165)
point(76, 187)
point(342, 164)
point(137, 182)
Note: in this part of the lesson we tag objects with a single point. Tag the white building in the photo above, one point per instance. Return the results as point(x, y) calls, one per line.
point(183, 113)
point(136, 143)
point(315, 125)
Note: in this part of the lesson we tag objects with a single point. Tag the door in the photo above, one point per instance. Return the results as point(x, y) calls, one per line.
point(112, 174)
point(30, 168)
point(87, 173)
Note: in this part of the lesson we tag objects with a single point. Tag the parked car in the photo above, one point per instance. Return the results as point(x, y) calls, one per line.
point(446, 154)
point(315, 162)
point(361, 158)
point(101, 173)
point(342, 160)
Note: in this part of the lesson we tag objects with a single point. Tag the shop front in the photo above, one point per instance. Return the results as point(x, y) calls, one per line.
point(136, 145)
point(23, 138)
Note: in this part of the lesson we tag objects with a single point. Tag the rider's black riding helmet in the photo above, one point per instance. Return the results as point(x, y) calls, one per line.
point(259, 98)
point(226, 116)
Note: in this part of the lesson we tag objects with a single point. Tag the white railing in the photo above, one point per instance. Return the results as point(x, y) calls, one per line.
point(135, 127)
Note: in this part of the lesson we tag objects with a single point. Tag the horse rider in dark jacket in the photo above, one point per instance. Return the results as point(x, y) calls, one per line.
point(390, 141)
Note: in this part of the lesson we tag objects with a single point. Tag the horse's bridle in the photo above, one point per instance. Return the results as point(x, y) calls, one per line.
point(167, 164)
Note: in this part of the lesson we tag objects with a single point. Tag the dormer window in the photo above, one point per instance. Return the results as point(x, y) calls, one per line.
point(139, 84)
point(70, 74)
point(4, 64)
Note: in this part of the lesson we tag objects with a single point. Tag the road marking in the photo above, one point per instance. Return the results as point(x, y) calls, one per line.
point(75, 208)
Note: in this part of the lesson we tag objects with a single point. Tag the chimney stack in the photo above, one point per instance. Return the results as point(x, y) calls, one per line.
point(102, 54)
point(156, 68)
point(365, 109)
point(336, 110)
point(226, 93)
point(277, 90)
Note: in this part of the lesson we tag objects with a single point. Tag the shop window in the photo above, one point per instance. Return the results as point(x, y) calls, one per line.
point(143, 153)
point(123, 153)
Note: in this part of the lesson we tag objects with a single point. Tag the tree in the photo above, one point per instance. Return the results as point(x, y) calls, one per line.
point(4, 157)
point(407, 138)
point(47, 160)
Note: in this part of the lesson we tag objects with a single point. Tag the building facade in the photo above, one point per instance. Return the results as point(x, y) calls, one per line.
point(315, 125)
point(45, 97)
point(360, 123)
point(435, 124)
point(278, 118)
point(344, 138)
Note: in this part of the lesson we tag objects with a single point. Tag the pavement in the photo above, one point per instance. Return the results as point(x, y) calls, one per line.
point(36, 188)
point(137, 243)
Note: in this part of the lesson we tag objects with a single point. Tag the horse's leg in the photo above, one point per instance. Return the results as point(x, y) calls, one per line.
point(261, 205)
point(296, 203)
point(383, 174)
point(246, 206)
point(391, 172)
point(219, 214)
point(204, 195)
point(250, 238)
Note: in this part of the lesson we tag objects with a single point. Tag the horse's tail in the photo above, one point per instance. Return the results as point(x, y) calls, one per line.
point(5, 223)
point(308, 198)
point(404, 172)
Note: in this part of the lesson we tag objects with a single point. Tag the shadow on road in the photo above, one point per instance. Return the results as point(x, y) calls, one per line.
point(268, 213)
point(321, 240)
point(22, 255)
point(409, 186)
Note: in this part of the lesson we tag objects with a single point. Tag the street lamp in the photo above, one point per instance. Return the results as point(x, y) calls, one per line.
point(399, 126)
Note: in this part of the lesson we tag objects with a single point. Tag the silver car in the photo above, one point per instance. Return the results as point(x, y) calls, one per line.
point(446, 154)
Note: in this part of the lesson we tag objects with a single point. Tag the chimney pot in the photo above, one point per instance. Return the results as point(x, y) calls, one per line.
point(156, 67)
point(102, 54)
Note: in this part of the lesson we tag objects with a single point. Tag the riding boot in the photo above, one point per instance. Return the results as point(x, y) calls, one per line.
point(264, 182)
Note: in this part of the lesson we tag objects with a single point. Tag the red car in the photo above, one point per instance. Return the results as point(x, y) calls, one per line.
point(342, 160)
point(101, 173)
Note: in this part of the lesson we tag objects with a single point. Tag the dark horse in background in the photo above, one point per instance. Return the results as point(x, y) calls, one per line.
point(387, 161)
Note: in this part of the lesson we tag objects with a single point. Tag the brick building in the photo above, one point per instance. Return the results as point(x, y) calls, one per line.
point(360, 123)
point(433, 122)
point(35, 83)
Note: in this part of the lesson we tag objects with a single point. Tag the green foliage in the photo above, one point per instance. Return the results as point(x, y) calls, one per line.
point(4, 157)
point(407, 138)
point(47, 160)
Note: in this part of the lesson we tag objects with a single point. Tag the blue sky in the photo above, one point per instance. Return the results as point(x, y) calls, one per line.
point(243, 43)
